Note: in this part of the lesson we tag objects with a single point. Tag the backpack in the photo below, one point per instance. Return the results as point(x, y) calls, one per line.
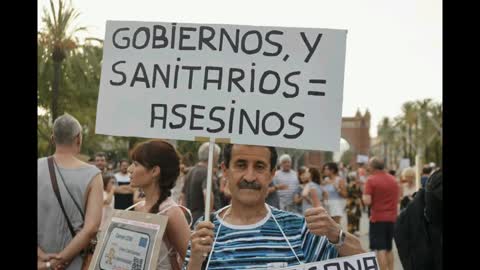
point(419, 227)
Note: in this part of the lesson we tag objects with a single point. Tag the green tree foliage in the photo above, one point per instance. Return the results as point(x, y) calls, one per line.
point(80, 79)
point(418, 127)
point(58, 40)
point(189, 151)
point(347, 157)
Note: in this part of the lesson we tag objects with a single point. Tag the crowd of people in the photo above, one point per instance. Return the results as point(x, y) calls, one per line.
point(251, 188)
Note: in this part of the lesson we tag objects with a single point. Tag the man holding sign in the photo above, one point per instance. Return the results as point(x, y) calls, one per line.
point(252, 85)
point(249, 233)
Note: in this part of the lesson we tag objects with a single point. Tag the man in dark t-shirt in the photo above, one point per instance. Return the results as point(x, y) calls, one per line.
point(195, 185)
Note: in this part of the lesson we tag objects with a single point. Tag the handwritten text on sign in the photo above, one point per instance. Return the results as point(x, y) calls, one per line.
point(254, 85)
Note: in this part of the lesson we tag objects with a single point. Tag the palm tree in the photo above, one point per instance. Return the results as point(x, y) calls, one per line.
point(436, 114)
point(57, 37)
point(401, 128)
point(424, 125)
point(410, 119)
point(388, 135)
point(383, 132)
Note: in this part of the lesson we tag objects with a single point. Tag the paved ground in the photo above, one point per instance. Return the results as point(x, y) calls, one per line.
point(365, 242)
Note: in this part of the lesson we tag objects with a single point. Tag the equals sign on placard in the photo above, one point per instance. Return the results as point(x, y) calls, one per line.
point(316, 93)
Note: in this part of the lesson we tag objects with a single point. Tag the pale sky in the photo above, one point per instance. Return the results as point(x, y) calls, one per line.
point(394, 48)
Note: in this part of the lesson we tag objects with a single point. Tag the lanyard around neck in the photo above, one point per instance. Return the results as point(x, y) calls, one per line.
point(278, 225)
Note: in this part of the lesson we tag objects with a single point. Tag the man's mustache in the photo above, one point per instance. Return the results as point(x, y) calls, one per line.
point(249, 185)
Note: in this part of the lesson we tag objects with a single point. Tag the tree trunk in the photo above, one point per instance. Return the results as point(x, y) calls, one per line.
point(410, 142)
point(385, 154)
point(55, 89)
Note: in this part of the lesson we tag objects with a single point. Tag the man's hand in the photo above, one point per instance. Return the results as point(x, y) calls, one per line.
point(58, 262)
point(54, 260)
point(320, 223)
point(282, 186)
point(201, 243)
point(43, 257)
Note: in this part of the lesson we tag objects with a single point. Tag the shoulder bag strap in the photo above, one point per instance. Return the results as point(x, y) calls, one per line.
point(69, 193)
point(53, 178)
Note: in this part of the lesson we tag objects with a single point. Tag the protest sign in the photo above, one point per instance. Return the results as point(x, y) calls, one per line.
point(130, 241)
point(364, 261)
point(404, 163)
point(253, 85)
point(362, 159)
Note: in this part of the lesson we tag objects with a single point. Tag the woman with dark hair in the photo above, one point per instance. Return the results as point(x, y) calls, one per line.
point(155, 170)
point(337, 191)
point(313, 194)
point(304, 178)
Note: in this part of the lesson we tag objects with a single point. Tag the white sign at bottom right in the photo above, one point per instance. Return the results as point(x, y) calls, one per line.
point(364, 261)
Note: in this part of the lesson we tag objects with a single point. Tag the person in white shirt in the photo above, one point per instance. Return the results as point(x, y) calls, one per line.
point(287, 182)
point(123, 191)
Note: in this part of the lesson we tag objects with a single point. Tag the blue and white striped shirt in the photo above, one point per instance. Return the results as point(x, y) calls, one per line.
point(257, 246)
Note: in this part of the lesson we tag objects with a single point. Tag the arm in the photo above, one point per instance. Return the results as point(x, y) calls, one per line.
point(320, 223)
point(297, 199)
point(315, 200)
point(325, 196)
point(272, 189)
point(107, 200)
point(367, 196)
point(124, 189)
point(43, 258)
point(306, 194)
point(181, 199)
point(93, 216)
point(41, 254)
point(367, 199)
point(343, 188)
point(351, 246)
point(201, 243)
point(178, 231)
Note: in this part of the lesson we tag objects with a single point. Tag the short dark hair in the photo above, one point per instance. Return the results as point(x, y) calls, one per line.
point(124, 160)
point(101, 154)
point(392, 172)
point(377, 164)
point(227, 155)
point(332, 166)
point(427, 170)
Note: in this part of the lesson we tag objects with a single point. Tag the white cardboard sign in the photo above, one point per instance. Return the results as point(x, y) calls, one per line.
point(364, 261)
point(131, 240)
point(362, 159)
point(254, 85)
